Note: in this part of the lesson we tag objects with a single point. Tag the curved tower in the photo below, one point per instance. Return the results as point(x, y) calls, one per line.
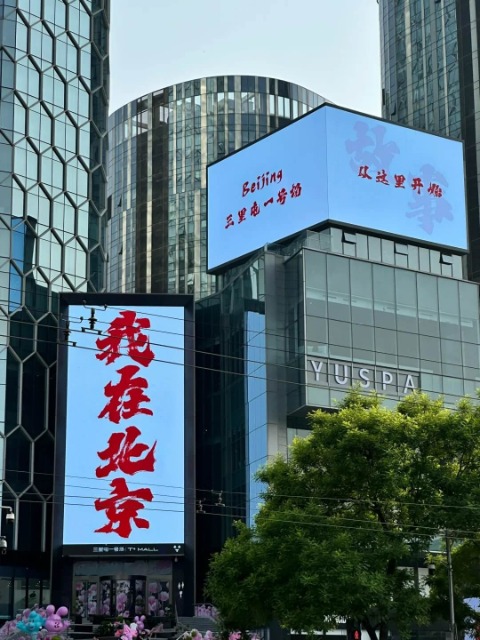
point(159, 148)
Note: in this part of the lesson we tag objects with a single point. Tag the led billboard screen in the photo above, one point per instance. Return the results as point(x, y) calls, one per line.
point(124, 457)
point(341, 166)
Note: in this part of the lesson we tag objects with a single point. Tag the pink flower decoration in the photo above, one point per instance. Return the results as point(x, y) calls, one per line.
point(164, 596)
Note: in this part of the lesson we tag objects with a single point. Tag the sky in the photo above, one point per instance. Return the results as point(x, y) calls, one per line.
point(329, 46)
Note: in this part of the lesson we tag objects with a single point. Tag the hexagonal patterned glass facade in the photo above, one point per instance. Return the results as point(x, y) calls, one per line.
point(159, 148)
point(53, 122)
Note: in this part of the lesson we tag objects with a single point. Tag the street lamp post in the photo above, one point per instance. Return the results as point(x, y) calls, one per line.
point(453, 629)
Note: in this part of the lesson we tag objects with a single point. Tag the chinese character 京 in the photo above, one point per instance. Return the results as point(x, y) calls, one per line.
point(382, 177)
point(399, 181)
point(296, 190)
point(126, 396)
point(363, 172)
point(255, 209)
point(242, 215)
point(126, 326)
point(417, 184)
point(282, 196)
point(230, 221)
point(120, 453)
point(435, 190)
point(122, 507)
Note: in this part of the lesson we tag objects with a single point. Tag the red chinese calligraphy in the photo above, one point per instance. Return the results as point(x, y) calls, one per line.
point(242, 215)
point(296, 190)
point(435, 190)
point(399, 181)
point(120, 453)
point(282, 196)
point(363, 172)
point(269, 201)
point(417, 184)
point(382, 177)
point(255, 209)
point(126, 396)
point(122, 507)
point(126, 326)
point(230, 221)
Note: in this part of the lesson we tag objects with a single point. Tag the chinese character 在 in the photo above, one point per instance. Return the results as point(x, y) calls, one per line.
point(435, 190)
point(230, 221)
point(363, 172)
point(296, 190)
point(122, 507)
point(255, 209)
point(126, 396)
point(126, 326)
point(282, 196)
point(417, 184)
point(242, 215)
point(121, 451)
point(382, 177)
point(399, 181)
point(269, 201)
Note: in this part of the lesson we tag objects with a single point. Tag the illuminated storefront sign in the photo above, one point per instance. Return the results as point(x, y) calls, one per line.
point(125, 429)
point(336, 165)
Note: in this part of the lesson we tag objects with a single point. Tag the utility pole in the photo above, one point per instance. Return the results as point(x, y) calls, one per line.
point(453, 629)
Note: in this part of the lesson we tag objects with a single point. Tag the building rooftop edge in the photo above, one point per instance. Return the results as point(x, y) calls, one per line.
point(227, 75)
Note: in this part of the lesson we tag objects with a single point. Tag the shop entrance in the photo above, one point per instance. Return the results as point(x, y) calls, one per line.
point(122, 589)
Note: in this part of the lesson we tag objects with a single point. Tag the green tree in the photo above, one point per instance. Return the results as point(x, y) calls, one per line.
point(232, 580)
point(344, 517)
point(466, 583)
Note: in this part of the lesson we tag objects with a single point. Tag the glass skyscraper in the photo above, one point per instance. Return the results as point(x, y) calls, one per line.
point(430, 80)
point(159, 148)
point(53, 124)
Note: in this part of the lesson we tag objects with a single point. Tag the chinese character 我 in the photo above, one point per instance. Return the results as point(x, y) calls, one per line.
point(127, 326)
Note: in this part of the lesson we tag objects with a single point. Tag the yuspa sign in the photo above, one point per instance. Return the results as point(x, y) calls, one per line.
point(345, 374)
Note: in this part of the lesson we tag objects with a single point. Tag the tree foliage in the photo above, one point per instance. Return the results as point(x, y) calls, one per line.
point(356, 503)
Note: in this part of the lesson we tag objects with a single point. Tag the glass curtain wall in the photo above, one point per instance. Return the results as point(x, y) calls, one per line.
point(160, 146)
point(430, 80)
point(53, 120)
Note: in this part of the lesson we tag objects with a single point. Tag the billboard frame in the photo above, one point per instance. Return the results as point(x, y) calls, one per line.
point(61, 568)
point(218, 270)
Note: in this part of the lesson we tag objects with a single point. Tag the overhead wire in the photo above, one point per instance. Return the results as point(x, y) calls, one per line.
point(208, 354)
point(55, 327)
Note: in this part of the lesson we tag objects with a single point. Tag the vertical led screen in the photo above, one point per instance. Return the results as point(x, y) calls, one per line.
point(124, 457)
